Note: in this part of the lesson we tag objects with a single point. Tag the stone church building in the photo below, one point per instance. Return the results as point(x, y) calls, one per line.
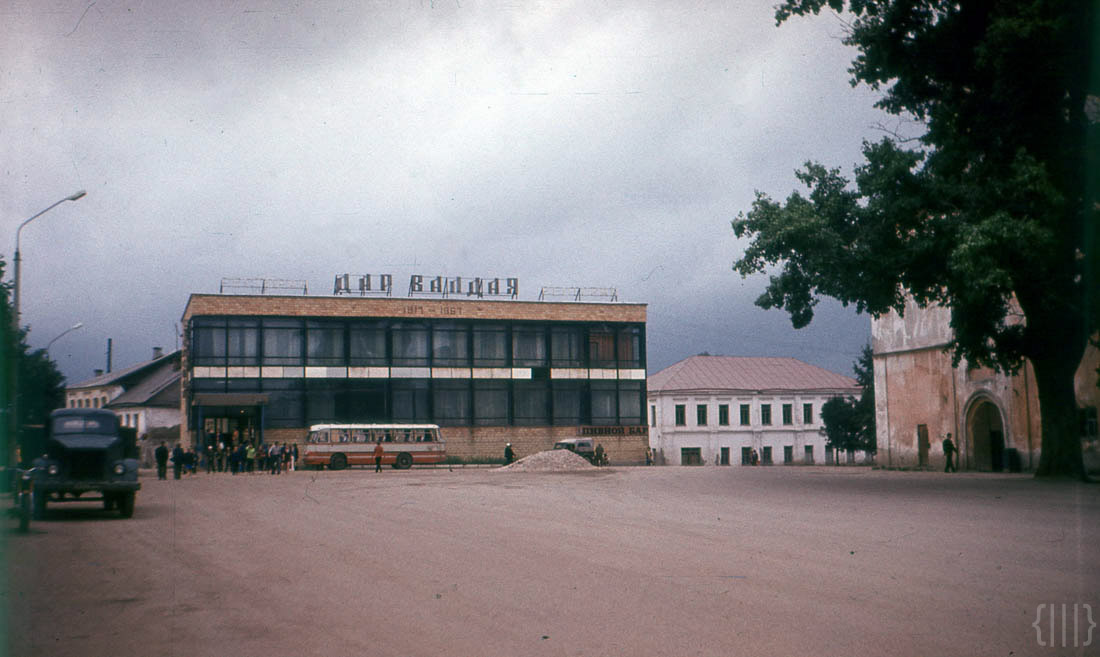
point(993, 418)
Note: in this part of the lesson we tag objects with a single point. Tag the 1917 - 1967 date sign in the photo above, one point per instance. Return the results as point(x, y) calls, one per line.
point(444, 286)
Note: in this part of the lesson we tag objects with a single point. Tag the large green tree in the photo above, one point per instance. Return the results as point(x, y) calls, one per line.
point(849, 422)
point(41, 387)
point(991, 212)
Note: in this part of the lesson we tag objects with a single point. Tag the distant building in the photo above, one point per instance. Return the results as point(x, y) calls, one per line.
point(144, 396)
point(718, 409)
point(993, 418)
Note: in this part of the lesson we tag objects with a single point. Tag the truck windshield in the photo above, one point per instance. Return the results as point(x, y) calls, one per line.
point(83, 425)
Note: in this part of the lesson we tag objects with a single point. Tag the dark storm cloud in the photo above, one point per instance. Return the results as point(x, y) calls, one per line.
point(565, 144)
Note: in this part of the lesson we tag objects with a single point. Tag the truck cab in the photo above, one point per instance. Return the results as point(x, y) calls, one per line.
point(86, 451)
point(582, 446)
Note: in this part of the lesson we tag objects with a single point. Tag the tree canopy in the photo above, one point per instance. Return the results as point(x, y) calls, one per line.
point(991, 212)
point(41, 386)
point(848, 422)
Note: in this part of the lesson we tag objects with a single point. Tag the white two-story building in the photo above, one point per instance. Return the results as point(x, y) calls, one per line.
point(718, 409)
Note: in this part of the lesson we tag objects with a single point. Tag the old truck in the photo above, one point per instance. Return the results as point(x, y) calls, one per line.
point(86, 452)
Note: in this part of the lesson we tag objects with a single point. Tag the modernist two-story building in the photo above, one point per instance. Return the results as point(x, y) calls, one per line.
point(488, 371)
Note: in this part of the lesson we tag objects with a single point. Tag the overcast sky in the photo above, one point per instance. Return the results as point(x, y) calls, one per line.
point(595, 144)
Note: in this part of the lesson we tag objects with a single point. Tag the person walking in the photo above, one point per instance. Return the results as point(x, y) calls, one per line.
point(161, 454)
point(509, 454)
point(177, 461)
point(250, 458)
point(378, 451)
point(949, 452)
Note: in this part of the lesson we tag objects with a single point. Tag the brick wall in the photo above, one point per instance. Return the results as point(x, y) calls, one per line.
point(489, 442)
point(349, 306)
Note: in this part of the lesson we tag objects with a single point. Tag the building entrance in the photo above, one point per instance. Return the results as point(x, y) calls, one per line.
point(986, 437)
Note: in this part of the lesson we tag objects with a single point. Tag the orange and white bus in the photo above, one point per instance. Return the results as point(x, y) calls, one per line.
point(341, 445)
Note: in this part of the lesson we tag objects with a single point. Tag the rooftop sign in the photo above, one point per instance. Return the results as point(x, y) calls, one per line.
point(442, 286)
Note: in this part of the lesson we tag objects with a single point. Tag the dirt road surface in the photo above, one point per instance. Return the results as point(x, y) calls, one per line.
point(625, 561)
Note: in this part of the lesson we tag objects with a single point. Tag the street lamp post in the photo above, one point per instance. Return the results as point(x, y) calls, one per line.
point(13, 420)
point(15, 317)
point(61, 335)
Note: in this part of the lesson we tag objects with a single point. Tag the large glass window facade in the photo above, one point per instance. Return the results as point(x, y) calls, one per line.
point(568, 401)
point(491, 403)
point(450, 345)
point(285, 406)
point(451, 402)
point(208, 341)
point(528, 346)
point(282, 342)
point(325, 342)
point(532, 403)
point(243, 342)
point(490, 346)
point(566, 346)
point(410, 345)
point(629, 347)
point(604, 402)
point(539, 401)
point(367, 344)
point(601, 347)
point(411, 401)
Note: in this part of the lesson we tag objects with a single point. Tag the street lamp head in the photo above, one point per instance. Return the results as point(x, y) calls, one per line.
point(77, 196)
point(76, 326)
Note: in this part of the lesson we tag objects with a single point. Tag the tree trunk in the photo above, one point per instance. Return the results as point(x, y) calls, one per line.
point(1061, 456)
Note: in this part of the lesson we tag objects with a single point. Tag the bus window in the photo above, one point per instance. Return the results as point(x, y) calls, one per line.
point(359, 436)
point(427, 436)
point(344, 436)
point(406, 435)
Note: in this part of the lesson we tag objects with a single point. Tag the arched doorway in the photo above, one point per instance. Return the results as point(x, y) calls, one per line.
point(986, 435)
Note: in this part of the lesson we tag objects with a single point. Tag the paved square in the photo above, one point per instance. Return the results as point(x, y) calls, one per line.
point(627, 561)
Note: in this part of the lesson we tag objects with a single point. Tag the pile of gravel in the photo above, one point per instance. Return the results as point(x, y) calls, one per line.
point(555, 460)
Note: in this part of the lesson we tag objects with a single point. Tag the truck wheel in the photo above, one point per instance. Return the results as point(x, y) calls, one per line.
point(338, 462)
point(125, 504)
point(38, 505)
point(404, 461)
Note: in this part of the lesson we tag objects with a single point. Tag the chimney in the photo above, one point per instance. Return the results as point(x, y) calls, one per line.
point(158, 352)
point(99, 372)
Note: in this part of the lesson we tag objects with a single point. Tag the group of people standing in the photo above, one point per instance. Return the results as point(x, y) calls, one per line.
point(236, 457)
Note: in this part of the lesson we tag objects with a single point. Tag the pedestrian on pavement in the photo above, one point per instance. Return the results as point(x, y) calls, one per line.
point(161, 454)
point(509, 454)
point(378, 451)
point(177, 461)
point(949, 451)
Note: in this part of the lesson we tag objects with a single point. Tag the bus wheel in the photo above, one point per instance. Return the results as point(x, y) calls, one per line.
point(404, 460)
point(338, 462)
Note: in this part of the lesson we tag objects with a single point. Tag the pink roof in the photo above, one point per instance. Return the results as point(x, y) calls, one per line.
point(748, 373)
